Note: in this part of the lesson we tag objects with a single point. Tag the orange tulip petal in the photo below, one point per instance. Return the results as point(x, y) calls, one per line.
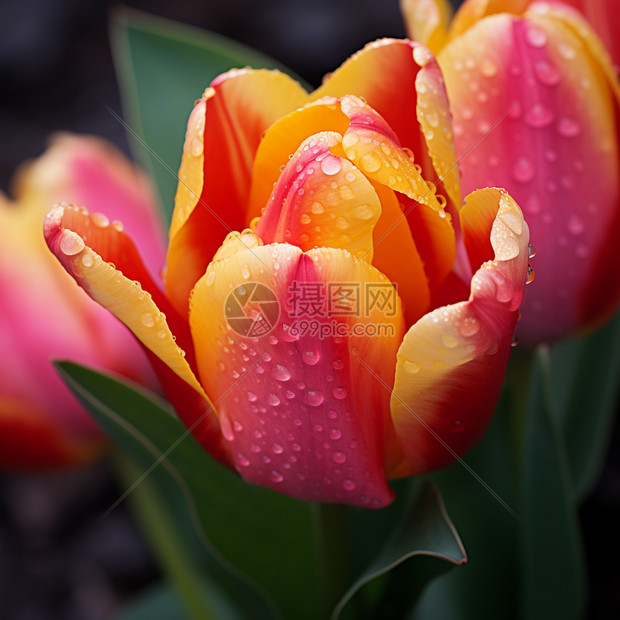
point(136, 302)
point(396, 255)
point(283, 139)
point(221, 142)
point(322, 200)
point(401, 81)
point(292, 406)
point(452, 361)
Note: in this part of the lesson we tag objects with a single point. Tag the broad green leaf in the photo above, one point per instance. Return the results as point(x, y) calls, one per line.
point(267, 536)
point(424, 546)
point(476, 497)
point(551, 562)
point(162, 68)
point(585, 375)
point(207, 590)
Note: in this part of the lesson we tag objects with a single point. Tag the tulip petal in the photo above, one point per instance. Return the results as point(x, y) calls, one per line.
point(322, 199)
point(87, 170)
point(427, 21)
point(32, 440)
point(452, 361)
point(131, 296)
point(286, 400)
point(534, 112)
point(396, 77)
point(283, 138)
point(372, 146)
point(221, 141)
point(396, 255)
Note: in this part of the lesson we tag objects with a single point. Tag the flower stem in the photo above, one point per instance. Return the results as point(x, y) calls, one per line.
point(150, 508)
point(332, 533)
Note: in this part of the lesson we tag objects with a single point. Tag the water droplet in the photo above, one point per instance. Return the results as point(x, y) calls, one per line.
point(87, 260)
point(535, 36)
point(331, 165)
point(311, 357)
point(280, 373)
point(457, 426)
point(147, 319)
point(339, 457)
point(523, 170)
point(575, 225)
point(335, 433)
point(363, 212)
point(531, 275)
point(531, 251)
point(314, 398)
point(339, 393)
point(71, 243)
point(449, 341)
point(337, 364)
point(276, 476)
point(469, 327)
point(370, 162)
point(411, 367)
point(273, 400)
point(100, 220)
point(568, 128)
point(277, 448)
point(546, 73)
point(242, 460)
point(317, 208)
point(252, 397)
point(539, 116)
point(348, 485)
point(305, 219)
point(196, 147)
point(245, 271)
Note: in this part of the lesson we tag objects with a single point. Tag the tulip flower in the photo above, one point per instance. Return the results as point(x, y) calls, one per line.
point(282, 194)
point(535, 104)
point(43, 315)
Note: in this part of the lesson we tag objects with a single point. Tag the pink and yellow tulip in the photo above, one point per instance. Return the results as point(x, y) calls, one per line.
point(281, 188)
point(535, 103)
point(43, 315)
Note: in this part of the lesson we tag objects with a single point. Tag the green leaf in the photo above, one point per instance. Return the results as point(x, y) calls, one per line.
point(162, 68)
point(424, 546)
point(551, 569)
point(486, 587)
point(584, 379)
point(265, 535)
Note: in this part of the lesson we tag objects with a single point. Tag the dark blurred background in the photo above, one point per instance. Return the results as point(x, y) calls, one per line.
point(58, 559)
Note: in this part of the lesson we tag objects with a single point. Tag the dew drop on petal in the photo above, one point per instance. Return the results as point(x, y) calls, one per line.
point(331, 165)
point(71, 243)
point(370, 162)
point(523, 170)
point(147, 319)
point(280, 373)
point(314, 398)
point(339, 393)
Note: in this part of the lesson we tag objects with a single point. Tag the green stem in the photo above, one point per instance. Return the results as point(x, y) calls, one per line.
point(150, 508)
point(332, 534)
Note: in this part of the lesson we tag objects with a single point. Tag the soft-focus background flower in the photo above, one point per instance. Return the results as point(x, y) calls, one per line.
point(58, 560)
